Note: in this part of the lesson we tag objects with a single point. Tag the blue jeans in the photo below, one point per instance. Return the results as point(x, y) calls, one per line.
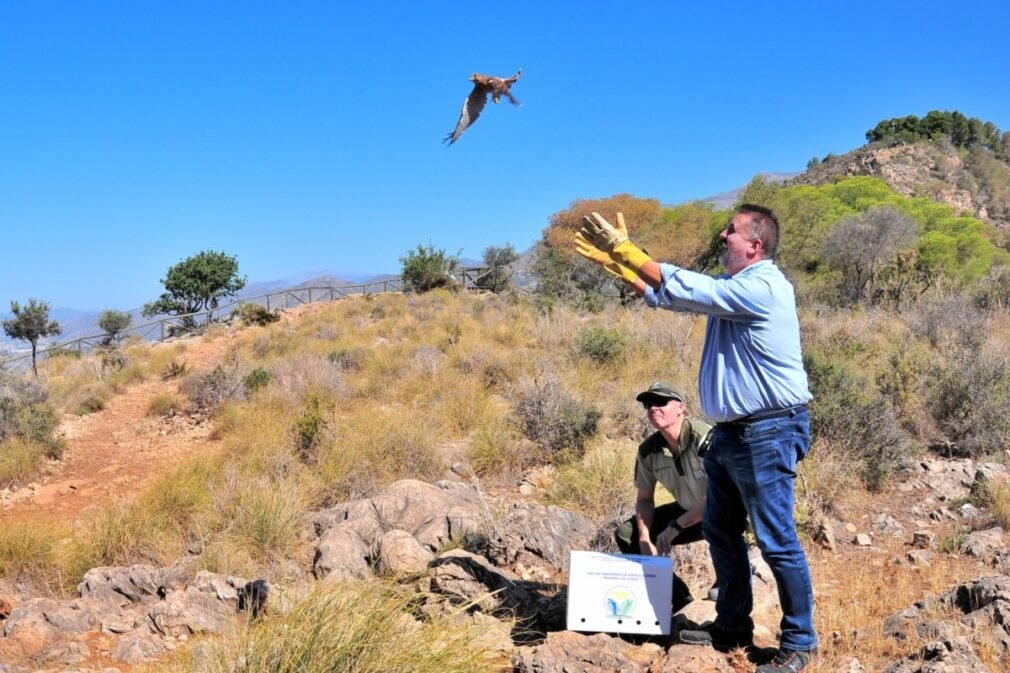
point(751, 470)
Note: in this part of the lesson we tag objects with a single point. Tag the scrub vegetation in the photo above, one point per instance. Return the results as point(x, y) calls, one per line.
point(903, 310)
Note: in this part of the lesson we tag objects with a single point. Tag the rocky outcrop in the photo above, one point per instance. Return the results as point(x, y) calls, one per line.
point(982, 602)
point(400, 529)
point(139, 612)
point(921, 169)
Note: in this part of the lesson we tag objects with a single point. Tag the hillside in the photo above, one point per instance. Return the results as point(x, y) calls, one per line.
point(934, 170)
point(376, 427)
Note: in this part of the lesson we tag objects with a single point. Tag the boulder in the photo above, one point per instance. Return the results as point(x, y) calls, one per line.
point(137, 646)
point(341, 556)
point(570, 652)
point(981, 542)
point(533, 532)
point(400, 553)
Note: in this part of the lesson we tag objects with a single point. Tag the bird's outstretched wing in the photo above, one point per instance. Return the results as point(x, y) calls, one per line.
point(471, 110)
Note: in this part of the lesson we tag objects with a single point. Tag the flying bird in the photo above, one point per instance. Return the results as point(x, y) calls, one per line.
point(482, 86)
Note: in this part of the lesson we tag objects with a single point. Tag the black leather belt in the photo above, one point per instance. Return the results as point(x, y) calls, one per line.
point(767, 415)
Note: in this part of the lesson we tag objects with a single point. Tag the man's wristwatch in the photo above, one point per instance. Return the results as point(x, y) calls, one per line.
point(676, 526)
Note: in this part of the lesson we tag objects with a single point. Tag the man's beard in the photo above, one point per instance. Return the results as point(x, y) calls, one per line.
point(723, 256)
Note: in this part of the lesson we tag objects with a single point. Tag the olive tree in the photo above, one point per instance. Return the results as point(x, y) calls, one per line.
point(196, 284)
point(114, 323)
point(31, 323)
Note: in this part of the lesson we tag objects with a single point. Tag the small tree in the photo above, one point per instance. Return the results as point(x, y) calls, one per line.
point(197, 284)
point(498, 276)
point(114, 323)
point(860, 245)
point(427, 268)
point(31, 323)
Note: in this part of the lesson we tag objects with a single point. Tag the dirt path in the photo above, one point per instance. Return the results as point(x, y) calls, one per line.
point(112, 454)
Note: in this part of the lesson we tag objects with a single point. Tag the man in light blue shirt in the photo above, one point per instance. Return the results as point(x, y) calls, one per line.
point(752, 384)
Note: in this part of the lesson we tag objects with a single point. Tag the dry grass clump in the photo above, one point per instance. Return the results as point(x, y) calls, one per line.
point(497, 449)
point(378, 447)
point(28, 554)
point(164, 405)
point(262, 516)
point(207, 391)
point(20, 460)
point(599, 485)
point(353, 628)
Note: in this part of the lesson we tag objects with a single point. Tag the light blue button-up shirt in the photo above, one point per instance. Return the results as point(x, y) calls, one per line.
point(751, 362)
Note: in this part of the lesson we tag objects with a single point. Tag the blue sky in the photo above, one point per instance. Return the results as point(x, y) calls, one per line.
point(307, 136)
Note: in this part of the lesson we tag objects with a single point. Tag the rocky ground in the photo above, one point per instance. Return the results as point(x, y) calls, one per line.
point(505, 557)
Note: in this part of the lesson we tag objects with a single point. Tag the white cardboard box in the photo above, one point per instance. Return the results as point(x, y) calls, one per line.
point(619, 593)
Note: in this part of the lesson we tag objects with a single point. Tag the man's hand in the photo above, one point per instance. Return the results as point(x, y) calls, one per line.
point(664, 541)
point(594, 254)
point(613, 241)
point(601, 234)
point(647, 548)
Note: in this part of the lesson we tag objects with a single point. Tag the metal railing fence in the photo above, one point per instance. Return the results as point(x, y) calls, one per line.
point(471, 278)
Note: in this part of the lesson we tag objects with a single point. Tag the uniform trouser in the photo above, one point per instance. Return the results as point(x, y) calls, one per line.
point(626, 537)
point(751, 470)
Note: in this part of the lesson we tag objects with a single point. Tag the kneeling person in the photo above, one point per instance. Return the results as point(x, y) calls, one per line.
point(670, 456)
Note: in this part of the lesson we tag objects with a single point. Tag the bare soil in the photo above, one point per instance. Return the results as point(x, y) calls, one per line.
point(113, 453)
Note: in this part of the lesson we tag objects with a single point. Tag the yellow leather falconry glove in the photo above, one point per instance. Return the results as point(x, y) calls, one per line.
point(613, 241)
point(590, 252)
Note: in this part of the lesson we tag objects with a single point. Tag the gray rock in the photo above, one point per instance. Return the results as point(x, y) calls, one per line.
point(888, 525)
point(980, 542)
point(461, 577)
point(192, 611)
point(532, 531)
point(138, 645)
point(341, 556)
point(570, 652)
point(350, 533)
point(72, 618)
point(943, 656)
point(64, 652)
point(401, 553)
point(924, 539)
point(28, 627)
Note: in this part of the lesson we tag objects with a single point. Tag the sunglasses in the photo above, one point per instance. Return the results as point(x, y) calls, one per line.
point(656, 402)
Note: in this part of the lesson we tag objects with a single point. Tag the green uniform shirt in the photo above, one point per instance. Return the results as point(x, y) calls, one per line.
point(682, 475)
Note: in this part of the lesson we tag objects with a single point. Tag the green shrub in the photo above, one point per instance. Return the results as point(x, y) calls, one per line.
point(426, 269)
point(347, 359)
point(254, 314)
point(552, 417)
point(968, 398)
point(856, 420)
point(90, 405)
point(256, 379)
point(25, 413)
point(114, 323)
point(309, 430)
point(601, 344)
